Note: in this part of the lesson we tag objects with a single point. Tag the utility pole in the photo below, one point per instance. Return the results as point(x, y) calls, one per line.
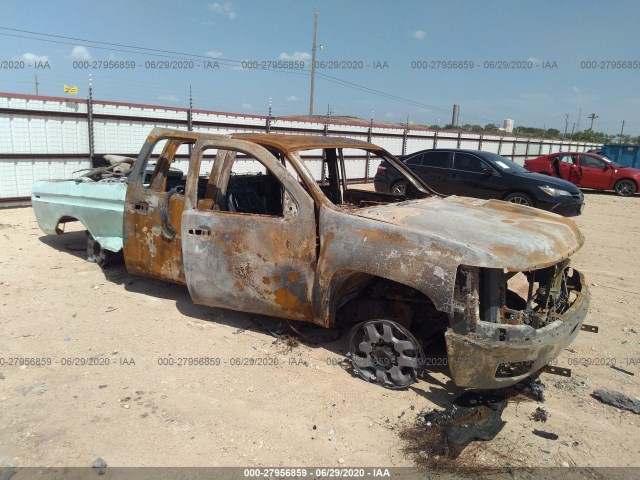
point(190, 118)
point(327, 120)
point(621, 131)
point(269, 118)
point(573, 127)
point(593, 116)
point(368, 161)
point(404, 136)
point(189, 113)
point(566, 124)
point(37, 83)
point(579, 115)
point(313, 60)
point(90, 121)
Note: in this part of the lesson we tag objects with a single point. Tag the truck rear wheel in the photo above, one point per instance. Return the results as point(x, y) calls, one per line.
point(385, 352)
point(99, 255)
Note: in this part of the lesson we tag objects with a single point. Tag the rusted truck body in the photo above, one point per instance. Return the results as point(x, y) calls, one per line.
point(253, 230)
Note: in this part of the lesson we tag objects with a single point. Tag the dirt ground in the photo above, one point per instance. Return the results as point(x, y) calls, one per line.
point(287, 405)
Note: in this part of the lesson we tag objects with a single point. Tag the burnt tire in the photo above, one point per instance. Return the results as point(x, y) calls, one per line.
point(96, 254)
point(399, 188)
point(520, 198)
point(625, 187)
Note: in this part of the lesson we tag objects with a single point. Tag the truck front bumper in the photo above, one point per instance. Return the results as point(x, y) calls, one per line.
point(503, 354)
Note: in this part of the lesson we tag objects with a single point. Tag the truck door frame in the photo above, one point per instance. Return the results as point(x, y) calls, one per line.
point(244, 261)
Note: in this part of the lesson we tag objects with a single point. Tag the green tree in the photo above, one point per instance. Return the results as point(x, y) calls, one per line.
point(529, 131)
point(590, 136)
point(623, 139)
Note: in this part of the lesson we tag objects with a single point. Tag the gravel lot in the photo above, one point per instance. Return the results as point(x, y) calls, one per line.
point(291, 405)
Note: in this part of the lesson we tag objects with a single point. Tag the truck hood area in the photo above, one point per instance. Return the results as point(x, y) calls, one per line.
point(485, 233)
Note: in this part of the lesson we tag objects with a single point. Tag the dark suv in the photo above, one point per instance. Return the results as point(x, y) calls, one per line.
point(473, 173)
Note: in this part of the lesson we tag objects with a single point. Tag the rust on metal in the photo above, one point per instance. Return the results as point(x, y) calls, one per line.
point(277, 242)
point(287, 143)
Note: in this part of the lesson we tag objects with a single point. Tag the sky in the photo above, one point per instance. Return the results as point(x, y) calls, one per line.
point(533, 62)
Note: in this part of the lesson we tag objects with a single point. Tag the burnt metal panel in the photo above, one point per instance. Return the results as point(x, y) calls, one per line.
point(250, 262)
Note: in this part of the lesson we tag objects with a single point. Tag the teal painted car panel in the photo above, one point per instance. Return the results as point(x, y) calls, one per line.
point(99, 206)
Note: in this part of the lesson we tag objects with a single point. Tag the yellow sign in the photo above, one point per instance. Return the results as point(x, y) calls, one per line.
point(73, 90)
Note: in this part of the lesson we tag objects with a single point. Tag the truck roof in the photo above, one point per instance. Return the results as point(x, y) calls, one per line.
point(293, 143)
point(281, 141)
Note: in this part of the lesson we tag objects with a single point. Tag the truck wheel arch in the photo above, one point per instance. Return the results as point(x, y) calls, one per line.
point(66, 219)
point(96, 252)
point(348, 287)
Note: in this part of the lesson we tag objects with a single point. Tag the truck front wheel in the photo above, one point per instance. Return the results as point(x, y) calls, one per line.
point(385, 352)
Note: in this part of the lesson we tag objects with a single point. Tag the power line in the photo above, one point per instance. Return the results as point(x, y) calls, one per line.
point(180, 54)
point(127, 48)
point(390, 96)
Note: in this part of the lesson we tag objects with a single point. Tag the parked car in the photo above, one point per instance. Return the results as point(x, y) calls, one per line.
point(252, 230)
point(588, 170)
point(473, 173)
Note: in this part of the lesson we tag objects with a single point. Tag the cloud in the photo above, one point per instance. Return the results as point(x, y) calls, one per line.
point(304, 56)
point(32, 57)
point(247, 106)
point(292, 98)
point(80, 53)
point(419, 34)
point(167, 98)
point(223, 9)
point(213, 54)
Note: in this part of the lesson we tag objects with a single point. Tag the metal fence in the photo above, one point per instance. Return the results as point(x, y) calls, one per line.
point(52, 137)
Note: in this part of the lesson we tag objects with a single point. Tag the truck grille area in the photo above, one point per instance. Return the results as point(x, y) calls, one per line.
point(534, 298)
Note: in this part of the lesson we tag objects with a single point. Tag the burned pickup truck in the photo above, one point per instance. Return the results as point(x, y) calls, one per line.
point(252, 229)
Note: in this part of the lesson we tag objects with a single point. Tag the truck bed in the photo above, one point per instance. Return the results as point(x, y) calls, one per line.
point(99, 206)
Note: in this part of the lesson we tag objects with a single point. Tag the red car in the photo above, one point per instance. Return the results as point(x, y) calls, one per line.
point(588, 170)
